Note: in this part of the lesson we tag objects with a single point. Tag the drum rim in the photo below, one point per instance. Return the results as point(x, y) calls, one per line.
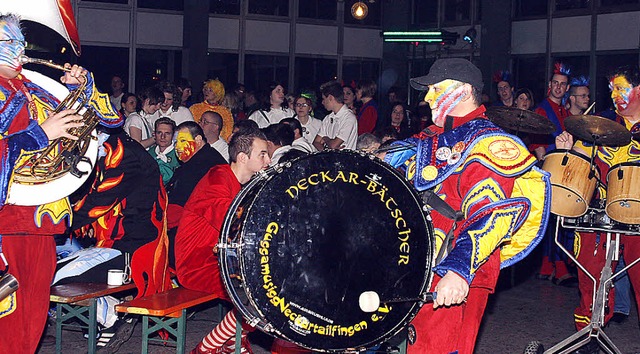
point(263, 178)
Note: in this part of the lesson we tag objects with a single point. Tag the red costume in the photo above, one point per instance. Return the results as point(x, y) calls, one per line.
point(367, 117)
point(475, 168)
point(199, 231)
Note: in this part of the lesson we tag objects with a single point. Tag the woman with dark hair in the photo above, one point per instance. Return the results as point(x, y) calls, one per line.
point(400, 121)
point(171, 107)
point(349, 97)
point(185, 89)
point(368, 113)
point(128, 104)
point(524, 99)
point(138, 125)
point(274, 107)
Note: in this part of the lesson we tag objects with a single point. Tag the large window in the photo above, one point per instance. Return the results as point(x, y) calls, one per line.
point(261, 70)
point(358, 70)
point(373, 17)
point(269, 7)
point(425, 13)
point(318, 9)
point(224, 67)
point(456, 11)
point(310, 73)
point(162, 4)
point(529, 8)
point(531, 73)
point(156, 65)
point(572, 4)
point(606, 63)
point(225, 7)
point(105, 62)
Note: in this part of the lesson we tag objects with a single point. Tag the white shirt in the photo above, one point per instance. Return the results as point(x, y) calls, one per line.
point(136, 120)
point(303, 145)
point(343, 125)
point(181, 115)
point(222, 147)
point(116, 100)
point(311, 129)
point(275, 115)
point(277, 154)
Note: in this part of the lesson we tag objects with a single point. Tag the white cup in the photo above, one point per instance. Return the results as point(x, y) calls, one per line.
point(116, 277)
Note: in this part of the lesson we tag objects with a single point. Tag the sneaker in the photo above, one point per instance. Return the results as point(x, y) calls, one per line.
point(619, 317)
point(111, 339)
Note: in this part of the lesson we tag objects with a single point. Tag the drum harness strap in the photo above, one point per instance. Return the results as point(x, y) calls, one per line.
point(430, 198)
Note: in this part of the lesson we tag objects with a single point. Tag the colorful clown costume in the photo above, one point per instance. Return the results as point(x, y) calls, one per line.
point(490, 177)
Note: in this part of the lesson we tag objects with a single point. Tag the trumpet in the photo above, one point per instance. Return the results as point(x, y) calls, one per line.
point(62, 155)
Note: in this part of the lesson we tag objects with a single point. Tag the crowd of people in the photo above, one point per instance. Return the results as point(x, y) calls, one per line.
point(169, 167)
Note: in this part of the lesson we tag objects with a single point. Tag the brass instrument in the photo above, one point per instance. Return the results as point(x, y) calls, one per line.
point(62, 155)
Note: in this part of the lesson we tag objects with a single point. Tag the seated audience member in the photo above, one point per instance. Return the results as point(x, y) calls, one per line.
point(164, 152)
point(310, 125)
point(387, 133)
point(213, 91)
point(368, 142)
point(250, 103)
point(299, 142)
point(199, 231)
point(138, 125)
point(243, 126)
point(274, 106)
point(211, 124)
point(197, 158)
point(171, 107)
point(279, 139)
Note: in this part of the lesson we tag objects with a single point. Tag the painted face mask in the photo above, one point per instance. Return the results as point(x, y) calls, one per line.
point(443, 97)
point(185, 145)
point(11, 44)
point(620, 92)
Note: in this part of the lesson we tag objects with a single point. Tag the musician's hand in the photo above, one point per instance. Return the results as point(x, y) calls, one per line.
point(72, 77)
point(452, 289)
point(564, 141)
point(56, 125)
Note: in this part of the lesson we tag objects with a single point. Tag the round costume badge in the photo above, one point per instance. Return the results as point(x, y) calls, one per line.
point(443, 153)
point(454, 158)
point(429, 173)
point(504, 149)
point(458, 147)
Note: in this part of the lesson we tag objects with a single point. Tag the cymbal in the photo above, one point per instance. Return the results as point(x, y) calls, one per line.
point(597, 130)
point(519, 120)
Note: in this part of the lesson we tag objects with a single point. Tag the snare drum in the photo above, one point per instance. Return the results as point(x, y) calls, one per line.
point(623, 193)
point(306, 239)
point(572, 186)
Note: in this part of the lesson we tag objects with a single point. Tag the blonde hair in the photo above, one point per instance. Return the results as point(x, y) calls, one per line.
point(218, 89)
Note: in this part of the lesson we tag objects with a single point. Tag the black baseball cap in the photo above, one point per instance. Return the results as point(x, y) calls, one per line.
point(458, 69)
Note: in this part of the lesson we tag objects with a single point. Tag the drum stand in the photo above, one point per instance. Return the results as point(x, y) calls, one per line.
point(594, 330)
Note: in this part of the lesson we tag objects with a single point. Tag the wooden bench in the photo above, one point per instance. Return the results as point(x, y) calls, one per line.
point(78, 302)
point(165, 309)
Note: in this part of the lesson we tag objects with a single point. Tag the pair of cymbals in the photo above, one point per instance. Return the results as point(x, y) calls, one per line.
point(593, 129)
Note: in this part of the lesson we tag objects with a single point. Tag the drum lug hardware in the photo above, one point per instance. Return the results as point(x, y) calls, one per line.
point(625, 204)
point(229, 245)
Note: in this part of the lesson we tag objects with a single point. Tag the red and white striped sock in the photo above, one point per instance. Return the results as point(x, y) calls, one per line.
point(221, 333)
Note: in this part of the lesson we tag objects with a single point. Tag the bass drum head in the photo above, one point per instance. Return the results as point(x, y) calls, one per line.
point(316, 235)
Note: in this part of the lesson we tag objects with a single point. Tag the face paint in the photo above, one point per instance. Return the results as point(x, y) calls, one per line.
point(620, 92)
point(11, 45)
point(185, 145)
point(443, 97)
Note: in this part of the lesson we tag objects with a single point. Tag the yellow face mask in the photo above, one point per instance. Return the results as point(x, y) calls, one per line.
point(443, 97)
point(185, 145)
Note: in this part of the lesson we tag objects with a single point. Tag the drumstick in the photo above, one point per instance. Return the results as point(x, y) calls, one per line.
point(588, 109)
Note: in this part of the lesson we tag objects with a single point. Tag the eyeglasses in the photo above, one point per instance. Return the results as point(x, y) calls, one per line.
point(13, 41)
point(583, 96)
point(302, 105)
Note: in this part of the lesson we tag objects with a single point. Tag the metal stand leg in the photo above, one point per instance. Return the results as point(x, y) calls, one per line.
point(594, 329)
point(238, 333)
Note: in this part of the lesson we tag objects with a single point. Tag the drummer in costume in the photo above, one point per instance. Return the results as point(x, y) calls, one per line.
point(590, 247)
point(26, 231)
point(554, 261)
point(501, 199)
point(199, 230)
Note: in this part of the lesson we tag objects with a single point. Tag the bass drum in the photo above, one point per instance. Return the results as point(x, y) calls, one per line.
point(302, 241)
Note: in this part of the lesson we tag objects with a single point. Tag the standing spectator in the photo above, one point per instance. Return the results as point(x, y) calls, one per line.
point(274, 107)
point(164, 152)
point(399, 121)
point(251, 102)
point(185, 89)
point(117, 90)
point(524, 99)
point(310, 125)
point(170, 107)
point(128, 105)
point(368, 112)
point(349, 97)
point(213, 91)
point(211, 124)
point(505, 88)
point(138, 125)
point(339, 128)
point(239, 93)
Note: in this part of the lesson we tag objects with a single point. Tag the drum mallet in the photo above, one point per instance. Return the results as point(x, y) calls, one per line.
point(369, 301)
